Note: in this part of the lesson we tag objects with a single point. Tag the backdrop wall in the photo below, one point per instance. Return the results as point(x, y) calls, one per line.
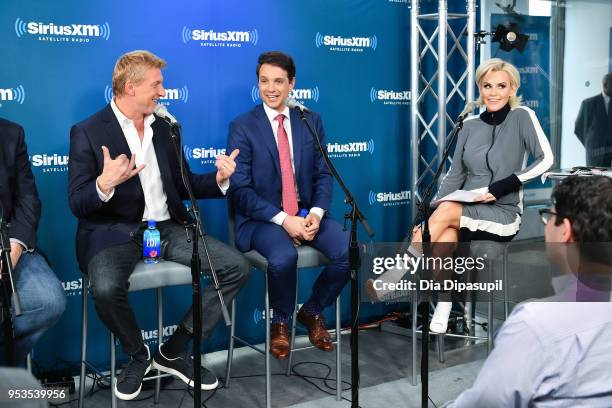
point(352, 66)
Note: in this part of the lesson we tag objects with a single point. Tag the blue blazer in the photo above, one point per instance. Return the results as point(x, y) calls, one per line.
point(19, 203)
point(102, 225)
point(256, 186)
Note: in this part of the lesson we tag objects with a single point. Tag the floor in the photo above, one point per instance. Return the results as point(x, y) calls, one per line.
point(385, 379)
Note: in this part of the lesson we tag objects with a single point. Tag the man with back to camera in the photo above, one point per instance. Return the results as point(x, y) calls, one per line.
point(594, 126)
point(279, 172)
point(555, 352)
point(107, 150)
point(40, 292)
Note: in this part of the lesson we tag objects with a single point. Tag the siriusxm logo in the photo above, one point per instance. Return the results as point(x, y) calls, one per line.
point(346, 44)
point(210, 38)
point(50, 163)
point(82, 33)
point(532, 103)
point(390, 97)
point(16, 94)
point(172, 94)
point(206, 155)
point(259, 315)
point(351, 149)
point(305, 94)
point(529, 70)
point(150, 336)
point(74, 287)
point(389, 198)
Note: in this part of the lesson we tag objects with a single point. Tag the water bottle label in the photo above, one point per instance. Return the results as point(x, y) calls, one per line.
point(151, 245)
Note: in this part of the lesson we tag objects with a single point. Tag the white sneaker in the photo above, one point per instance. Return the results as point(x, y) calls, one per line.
point(439, 321)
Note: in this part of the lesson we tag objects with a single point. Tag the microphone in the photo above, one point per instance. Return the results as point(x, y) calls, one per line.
point(292, 103)
point(162, 112)
point(469, 108)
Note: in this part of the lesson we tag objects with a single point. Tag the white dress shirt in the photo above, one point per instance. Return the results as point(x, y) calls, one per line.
point(150, 177)
point(272, 114)
point(156, 207)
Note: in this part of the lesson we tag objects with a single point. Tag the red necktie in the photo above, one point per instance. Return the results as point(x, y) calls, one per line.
point(290, 205)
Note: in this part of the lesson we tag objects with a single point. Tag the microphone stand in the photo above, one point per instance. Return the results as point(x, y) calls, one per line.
point(423, 214)
point(8, 290)
point(196, 229)
point(353, 215)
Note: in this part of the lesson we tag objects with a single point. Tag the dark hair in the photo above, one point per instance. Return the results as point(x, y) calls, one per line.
point(278, 59)
point(587, 203)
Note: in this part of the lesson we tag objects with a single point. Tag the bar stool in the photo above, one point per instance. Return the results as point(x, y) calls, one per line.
point(307, 258)
point(145, 276)
point(493, 250)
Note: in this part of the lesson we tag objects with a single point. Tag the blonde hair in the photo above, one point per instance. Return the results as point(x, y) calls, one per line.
point(131, 67)
point(495, 65)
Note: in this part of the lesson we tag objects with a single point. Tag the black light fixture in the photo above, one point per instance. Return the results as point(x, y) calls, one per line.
point(509, 37)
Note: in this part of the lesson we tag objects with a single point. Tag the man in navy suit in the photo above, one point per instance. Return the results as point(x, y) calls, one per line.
point(280, 172)
point(594, 126)
point(41, 294)
point(107, 151)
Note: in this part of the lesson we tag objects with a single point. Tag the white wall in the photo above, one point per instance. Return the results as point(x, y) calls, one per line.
point(587, 51)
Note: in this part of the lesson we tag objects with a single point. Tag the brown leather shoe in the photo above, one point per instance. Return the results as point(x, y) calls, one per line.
point(317, 333)
point(279, 340)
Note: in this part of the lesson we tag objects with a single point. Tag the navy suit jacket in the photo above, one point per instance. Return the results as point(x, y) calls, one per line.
point(256, 186)
point(18, 194)
point(593, 131)
point(104, 224)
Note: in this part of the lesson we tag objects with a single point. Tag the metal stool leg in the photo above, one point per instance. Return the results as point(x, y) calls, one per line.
point(29, 363)
point(230, 350)
point(293, 325)
point(160, 339)
point(113, 371)
point(338, 351)
point(505, 279)
point(490, 313)
point(440, 344)
point(85, 289)
point(413, 312)
point(267, 354)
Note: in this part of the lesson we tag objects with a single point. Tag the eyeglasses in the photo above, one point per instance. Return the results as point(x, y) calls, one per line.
point(545, 215)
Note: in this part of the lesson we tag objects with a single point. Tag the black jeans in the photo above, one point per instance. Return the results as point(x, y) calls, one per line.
point(110, 269)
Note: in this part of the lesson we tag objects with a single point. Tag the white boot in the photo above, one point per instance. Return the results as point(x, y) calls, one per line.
point(439, 321)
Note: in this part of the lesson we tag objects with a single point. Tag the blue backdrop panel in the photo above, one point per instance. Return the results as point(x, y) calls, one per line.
point(534, 67)
point(352, 66)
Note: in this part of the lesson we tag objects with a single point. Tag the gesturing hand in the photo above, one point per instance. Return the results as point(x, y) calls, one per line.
point(225, 166)
point(116, 171)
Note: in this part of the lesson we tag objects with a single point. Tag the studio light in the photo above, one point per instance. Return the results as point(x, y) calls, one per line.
point(509, 37)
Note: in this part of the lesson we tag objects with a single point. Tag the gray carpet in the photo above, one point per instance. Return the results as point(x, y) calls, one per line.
point(385, 377)
point(444, 385)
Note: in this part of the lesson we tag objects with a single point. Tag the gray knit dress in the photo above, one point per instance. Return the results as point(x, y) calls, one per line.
point(492, 151)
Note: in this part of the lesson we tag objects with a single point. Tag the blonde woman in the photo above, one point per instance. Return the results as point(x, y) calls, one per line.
point(491, 154)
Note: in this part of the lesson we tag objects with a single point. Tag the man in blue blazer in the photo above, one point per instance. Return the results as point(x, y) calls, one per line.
point(594, 126)
point(41, 294)
point(123, 171)
point(279, 173)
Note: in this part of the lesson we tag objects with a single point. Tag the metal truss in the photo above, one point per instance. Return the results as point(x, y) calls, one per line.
point(430, 126)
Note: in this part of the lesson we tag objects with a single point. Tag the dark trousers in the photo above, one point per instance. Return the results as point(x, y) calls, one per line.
point(110, 269)
point(273, 242)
